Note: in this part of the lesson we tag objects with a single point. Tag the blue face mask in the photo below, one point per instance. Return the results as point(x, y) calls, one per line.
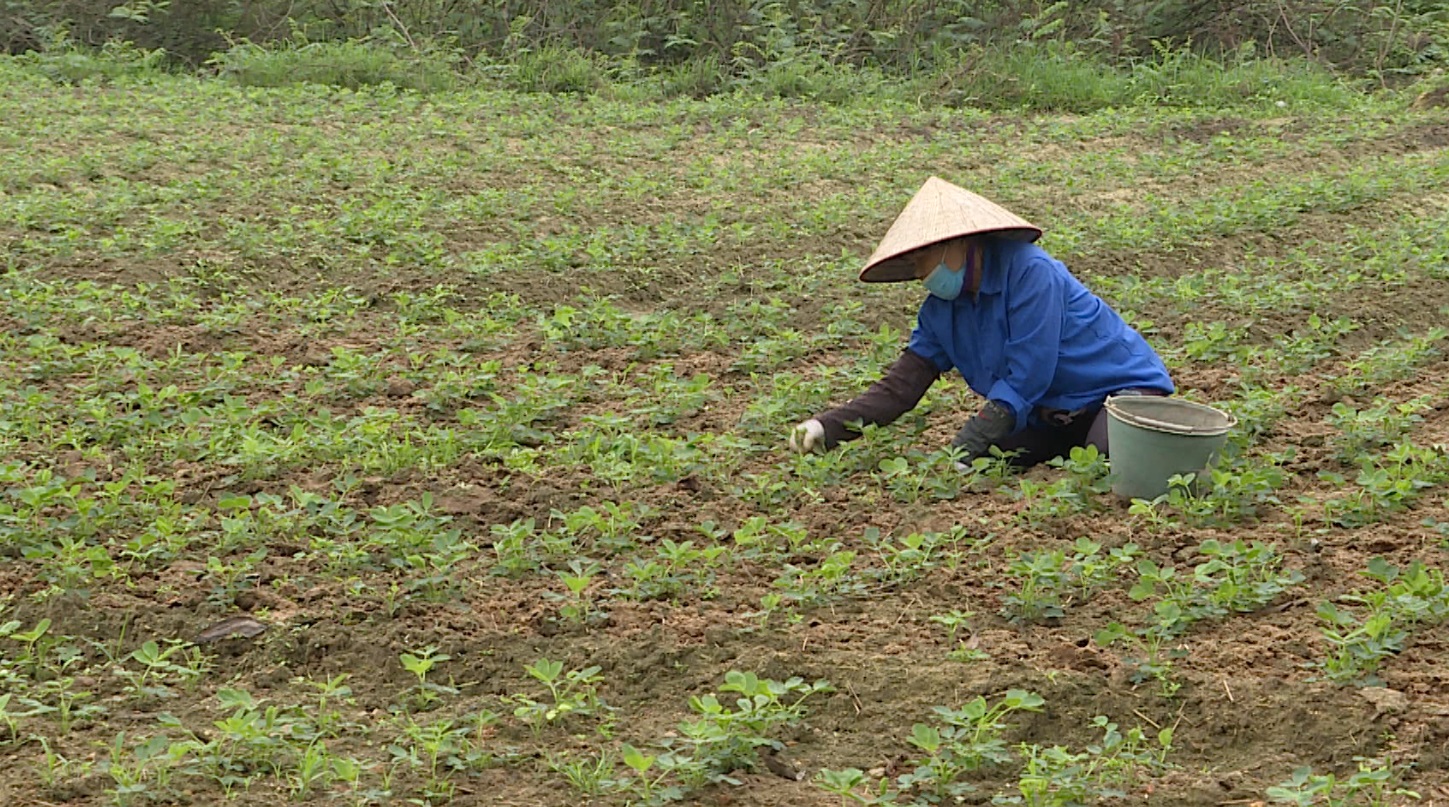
point(945, 283)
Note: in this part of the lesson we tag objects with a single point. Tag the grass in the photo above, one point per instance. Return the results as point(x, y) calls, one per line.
point(476, 401)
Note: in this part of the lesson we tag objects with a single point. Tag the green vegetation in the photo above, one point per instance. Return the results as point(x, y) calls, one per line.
point(467, 389)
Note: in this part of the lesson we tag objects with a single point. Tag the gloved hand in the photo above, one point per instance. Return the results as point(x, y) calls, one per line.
point(990, 426)
point(808, 436)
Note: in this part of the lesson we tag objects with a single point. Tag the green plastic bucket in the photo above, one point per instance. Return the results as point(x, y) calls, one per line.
point(1150, 439)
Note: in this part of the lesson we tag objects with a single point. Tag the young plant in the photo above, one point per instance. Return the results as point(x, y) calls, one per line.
point(1078, 490)
point(1356, 649)
point(1050, 580)
point(425, 694)
point(1375, 783)
point(1151, 650)
point(577, 604)
point(590, 775)
point(1055, 776)
point(1239, 577)
point(724, 739)
point(177, 663)
point(441, 747)
point(848, 783)
point(572, 693)
point(966, 650)
point(674, 568)
point(964, 740)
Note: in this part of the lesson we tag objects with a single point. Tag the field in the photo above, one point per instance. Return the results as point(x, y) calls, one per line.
point(469, 412)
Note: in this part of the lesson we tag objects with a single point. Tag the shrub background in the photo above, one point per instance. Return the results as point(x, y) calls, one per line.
point(736, 39)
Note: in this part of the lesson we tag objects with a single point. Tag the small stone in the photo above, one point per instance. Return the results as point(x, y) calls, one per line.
point(237, 626)
point(781, 768)
point(400, 388)
point(1385, 701)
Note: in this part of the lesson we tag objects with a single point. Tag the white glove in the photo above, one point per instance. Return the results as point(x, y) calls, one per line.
point(808, 436)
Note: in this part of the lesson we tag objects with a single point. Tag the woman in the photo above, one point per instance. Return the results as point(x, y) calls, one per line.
point(1026, 335)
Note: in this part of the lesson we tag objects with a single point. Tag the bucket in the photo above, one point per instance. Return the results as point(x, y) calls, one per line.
point(1150, 439)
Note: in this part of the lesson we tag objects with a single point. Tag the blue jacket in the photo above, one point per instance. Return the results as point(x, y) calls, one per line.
point(1034, 336)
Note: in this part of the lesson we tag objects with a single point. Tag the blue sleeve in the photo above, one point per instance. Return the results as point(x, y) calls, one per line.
point(1035, 299)
point(925, 344)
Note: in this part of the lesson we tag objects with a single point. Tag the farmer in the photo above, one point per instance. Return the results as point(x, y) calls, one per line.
point(1026, 335)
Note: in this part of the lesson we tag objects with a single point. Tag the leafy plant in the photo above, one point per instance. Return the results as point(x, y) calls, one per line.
point(1375, 781)
point(425, 694)
point(1050, 579)
point(570, 693)
point(963, 740)
point(1054, 776)
point(729, 736)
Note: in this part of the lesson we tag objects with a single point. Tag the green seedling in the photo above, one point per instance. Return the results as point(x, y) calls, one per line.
point(148, 769)
point(36, 646)
point(572, 693)
point(177, 663)
point(965, 650)
point(674, 569)
point(1049, 580)
point(590, 775)
point(56, 768)
point(1239, 577)
point(848, 784)
point(1374, 783)
point(1078, 489)
point(1054, 776)
point(963, 740)
point(331, 694)
point(11, 720)
point(1151, 649)
point(648, 777)
point(425, 694)
point(728, 737)
point(1383, 618)
point(1358, 648)
point(577, 605)
point(1387, 484)
point(441, 748)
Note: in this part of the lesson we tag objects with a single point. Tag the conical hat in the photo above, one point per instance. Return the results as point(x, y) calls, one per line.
point(939, 211)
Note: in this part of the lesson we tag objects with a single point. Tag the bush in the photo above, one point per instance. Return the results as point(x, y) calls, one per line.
point(1058, 76)
point(348, 64)
point(67, 63)
point(1370, 38)
point(1183, 78)
point(696, 78)
point(1046, 75)
point(555, 69)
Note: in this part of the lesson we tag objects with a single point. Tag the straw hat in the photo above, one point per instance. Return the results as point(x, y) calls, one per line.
point(939, 211)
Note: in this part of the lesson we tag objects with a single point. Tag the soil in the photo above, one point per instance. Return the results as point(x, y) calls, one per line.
point(1251, 706)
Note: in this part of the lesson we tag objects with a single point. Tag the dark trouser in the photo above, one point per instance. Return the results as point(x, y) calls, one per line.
point(1057, 431)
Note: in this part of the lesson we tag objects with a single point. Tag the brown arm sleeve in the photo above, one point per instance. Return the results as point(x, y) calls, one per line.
point(896, 393)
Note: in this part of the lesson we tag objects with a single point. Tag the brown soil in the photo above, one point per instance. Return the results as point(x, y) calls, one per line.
point(1251, 707)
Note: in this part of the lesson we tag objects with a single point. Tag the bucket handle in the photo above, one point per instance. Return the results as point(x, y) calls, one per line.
point(1176, 428)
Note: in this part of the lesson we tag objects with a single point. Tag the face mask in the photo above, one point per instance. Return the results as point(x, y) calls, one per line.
point(943, 282)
